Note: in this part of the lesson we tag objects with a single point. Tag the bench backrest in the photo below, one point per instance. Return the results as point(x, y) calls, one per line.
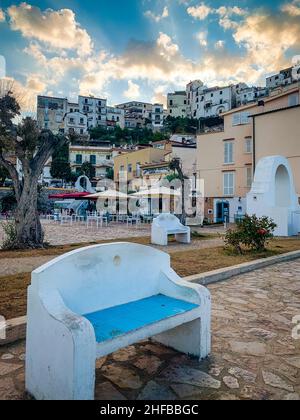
point(168, 221)
point(103, 276)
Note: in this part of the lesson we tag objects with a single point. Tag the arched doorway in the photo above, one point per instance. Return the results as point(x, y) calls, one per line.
point(282, 187)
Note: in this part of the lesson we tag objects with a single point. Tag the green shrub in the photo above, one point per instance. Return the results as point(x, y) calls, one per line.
point(10, 234)
point(251, 232)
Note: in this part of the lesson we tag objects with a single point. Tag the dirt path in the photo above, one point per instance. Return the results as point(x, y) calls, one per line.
point(12, 266)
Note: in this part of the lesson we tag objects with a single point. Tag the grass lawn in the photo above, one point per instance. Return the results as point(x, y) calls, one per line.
point(13, 289)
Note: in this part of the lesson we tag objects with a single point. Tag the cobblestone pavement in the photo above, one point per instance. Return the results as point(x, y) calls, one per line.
point(254, 355)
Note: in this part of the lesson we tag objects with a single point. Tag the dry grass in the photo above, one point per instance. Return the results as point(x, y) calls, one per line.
point(13, 289)
point(61, 249)
point(189, 263)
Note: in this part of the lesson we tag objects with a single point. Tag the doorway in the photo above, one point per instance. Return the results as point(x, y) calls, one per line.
point(223, 212)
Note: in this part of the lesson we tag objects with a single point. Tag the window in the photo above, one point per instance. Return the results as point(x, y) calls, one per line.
point(249, 174)
point(81, 120)
point(171, 103)
point(228, 152)
point(229, 183)
point(93, 159)
point(248, 145)
point(108, 157)
point(129, 168)
point(79, 159)
point(241, 118)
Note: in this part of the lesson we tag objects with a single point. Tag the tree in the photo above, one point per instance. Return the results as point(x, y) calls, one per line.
point(110, 173)
point(3, 175)
point(60, 166)
point(33, 148)
point(88, 170)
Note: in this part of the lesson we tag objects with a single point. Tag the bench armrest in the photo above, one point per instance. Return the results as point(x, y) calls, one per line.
point(76, 325)
point(172, 285)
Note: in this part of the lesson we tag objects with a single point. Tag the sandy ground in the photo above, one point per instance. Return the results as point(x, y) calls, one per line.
point(56, 234)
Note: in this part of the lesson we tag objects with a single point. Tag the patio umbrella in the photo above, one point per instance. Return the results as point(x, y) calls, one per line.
point(108, 195)
point(157, 192)
point(160, 193)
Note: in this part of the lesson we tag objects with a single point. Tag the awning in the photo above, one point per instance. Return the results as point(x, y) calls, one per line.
point(70, 196)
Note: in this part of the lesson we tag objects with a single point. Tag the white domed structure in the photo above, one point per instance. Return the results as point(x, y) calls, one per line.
point(273, 194)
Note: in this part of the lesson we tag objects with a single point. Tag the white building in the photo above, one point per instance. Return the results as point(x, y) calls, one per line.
point(115, 117)
point(51, 112)
point(75, 123)
point(157, 116)
point(100, 157)
point(250, 94)
point(143, 109)
point(142, 114)
point(192, 90)
point(284, 77)
point(73, 107)
point(177, 104)
point(95, 109)
point(211, 102)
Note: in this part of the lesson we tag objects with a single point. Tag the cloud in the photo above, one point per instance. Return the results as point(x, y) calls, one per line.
point(133, 91)
point(24, 93)
point(220, 44)
point(267, 38)
point(160, 95)
point(227, 13)
point(57, 29)
point(200, 12)
point(157, 18)
point(293, 8)
point(263, 40)
point(202, 38)
point(2, 16)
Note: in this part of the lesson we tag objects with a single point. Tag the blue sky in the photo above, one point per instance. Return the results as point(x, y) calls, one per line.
point(141, 49)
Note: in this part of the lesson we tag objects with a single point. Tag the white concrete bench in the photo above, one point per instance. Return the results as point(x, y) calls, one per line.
point(168, 224)
point(96, 300)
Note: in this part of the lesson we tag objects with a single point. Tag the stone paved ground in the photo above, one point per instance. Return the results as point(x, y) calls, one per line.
point(254, 355)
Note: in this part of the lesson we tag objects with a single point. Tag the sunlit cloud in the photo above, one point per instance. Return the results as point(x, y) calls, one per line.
point(57, 29)
point(157, 18)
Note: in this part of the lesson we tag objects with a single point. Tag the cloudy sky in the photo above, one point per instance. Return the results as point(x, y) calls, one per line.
point(141, 49)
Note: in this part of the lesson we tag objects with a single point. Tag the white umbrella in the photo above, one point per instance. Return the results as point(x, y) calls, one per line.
point(157, 192)
point(109, 195)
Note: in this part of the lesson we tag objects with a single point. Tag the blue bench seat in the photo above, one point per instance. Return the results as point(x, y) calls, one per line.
point(117, 321)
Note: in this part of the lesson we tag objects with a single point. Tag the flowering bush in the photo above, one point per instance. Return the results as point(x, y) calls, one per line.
point(251, 232)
